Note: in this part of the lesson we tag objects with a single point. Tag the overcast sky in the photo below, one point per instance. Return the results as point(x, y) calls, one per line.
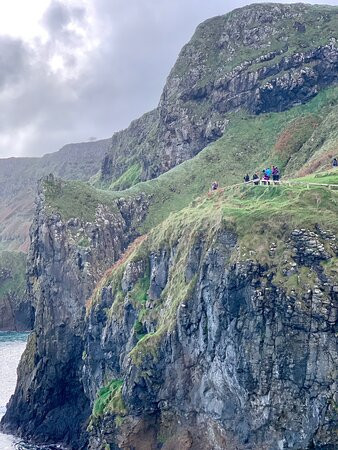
point(71, 70)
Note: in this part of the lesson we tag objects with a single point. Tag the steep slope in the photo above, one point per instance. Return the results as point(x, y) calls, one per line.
point(297, 140)
point(247, 273)
point(260, 58)
point(217, 332)
point(68, 256)
point(16, 312)
point(18, 178)
point(201, 333)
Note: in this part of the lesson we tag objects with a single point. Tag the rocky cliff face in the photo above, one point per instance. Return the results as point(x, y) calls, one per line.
point(260, 58)
point(66, 260)
point(16, 312)
point(215, 329)
point(242, 363)
point(18, 179)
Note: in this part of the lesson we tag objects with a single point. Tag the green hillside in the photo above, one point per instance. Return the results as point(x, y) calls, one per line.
point(299, 140)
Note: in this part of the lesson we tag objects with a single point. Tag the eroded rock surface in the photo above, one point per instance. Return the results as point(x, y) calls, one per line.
point(66, 260)
point(260, 58)
point(247, 364)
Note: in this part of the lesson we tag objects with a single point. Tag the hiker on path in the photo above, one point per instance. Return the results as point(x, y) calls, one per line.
point(214, 186)
point(255, 178)
point(268, 172)
point(334, 162)
point(266, 179)
point(246, 178)
point(275, 174)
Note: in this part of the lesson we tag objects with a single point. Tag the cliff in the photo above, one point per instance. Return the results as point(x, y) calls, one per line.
point(218, 331)
point(16, 312)
point(261, 58)
point(18, 179)
point(167, 317)
point(66, 260)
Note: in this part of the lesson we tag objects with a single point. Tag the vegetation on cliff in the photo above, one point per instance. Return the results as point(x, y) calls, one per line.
point(299, 139)
point(284, 233)
point(206, 315)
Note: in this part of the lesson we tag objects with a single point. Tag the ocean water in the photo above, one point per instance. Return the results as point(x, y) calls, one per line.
point(12, 346)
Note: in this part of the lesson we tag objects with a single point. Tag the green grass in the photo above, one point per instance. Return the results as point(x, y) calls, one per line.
point(129, 178)
point(249, 144)
point(140, 291)
point(328, 177)
point(76, 199)
point(109, 400)
point(15, 263)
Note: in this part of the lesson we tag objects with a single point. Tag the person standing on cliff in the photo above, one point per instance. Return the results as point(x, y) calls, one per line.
point(255, 178)
point(214, 186)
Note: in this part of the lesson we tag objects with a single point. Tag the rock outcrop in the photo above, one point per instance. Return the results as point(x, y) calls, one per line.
point(16, 311)
point(260, 58)
point(245, 363)
point(66, 260)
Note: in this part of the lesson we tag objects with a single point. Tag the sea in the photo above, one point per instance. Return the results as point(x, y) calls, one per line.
point(12, 345)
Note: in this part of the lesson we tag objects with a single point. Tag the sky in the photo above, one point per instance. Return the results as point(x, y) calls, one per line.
point(78, 70)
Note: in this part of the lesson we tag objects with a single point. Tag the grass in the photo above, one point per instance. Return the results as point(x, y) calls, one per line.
point(109, 400)
point(129, 178)
point(249, 144)
point(76, 199)
point(328, 177)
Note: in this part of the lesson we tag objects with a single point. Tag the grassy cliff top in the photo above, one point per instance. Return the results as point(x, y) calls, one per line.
point(300, 140)
point(243, 35)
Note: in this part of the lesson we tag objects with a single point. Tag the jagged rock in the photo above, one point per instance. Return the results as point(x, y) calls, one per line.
point(61, 278)
point(214, 77)
point(244, 366)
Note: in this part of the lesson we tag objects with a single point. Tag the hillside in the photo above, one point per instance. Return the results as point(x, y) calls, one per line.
point(300, 140)
point(18, 179)
point(261, 58)
point(168, 316)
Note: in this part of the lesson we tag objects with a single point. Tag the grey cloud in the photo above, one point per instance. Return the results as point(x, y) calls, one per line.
point(59, 15)
point(14, 60)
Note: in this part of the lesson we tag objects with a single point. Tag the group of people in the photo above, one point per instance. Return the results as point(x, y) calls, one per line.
point(268, 174)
